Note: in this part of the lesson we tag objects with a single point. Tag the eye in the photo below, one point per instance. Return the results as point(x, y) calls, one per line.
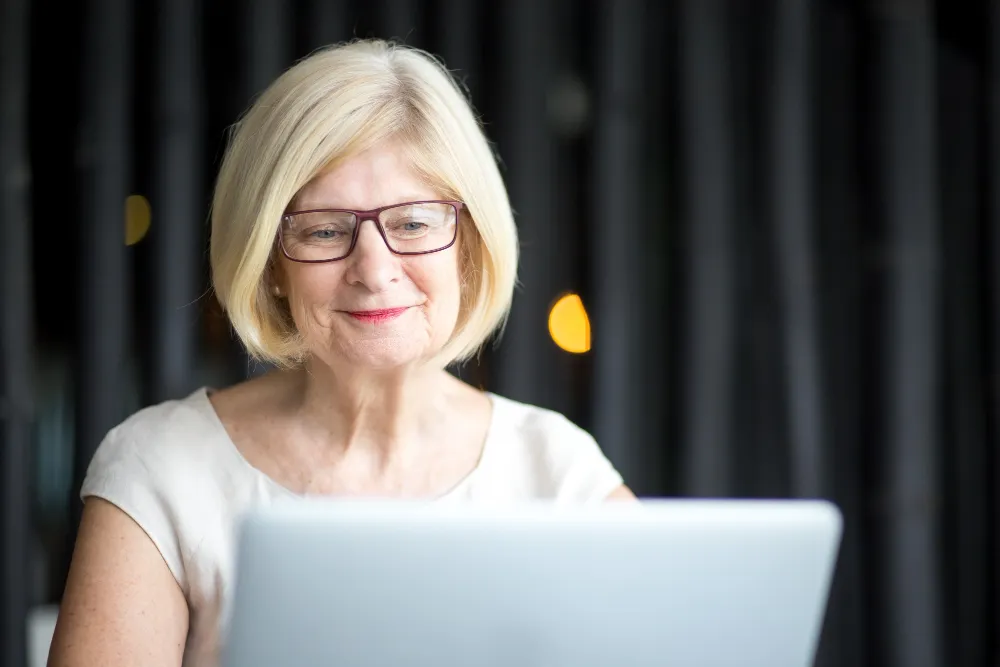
point(408, 227)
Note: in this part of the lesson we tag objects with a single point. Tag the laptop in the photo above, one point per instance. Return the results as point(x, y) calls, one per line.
point(664, 582)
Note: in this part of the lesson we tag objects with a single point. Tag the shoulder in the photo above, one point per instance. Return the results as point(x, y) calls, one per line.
point(540, 427)
point(552, 456)
point(162, 436)
point(164, 466)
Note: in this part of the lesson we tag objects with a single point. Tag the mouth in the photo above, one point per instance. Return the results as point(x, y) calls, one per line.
point(377, 316)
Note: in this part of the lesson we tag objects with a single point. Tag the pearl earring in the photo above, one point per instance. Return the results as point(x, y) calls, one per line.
point(276, 289)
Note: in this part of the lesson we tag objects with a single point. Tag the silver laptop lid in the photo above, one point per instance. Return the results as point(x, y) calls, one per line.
point(366, 584)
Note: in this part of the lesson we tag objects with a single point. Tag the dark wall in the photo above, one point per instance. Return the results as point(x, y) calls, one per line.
point(783, 218)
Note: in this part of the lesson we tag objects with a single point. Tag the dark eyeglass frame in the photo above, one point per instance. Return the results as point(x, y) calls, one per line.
point(373, 216)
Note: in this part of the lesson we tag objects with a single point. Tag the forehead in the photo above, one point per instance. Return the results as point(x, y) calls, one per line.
point(376, 177)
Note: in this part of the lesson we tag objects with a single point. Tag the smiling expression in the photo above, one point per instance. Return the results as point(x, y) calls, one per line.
point(373, 308)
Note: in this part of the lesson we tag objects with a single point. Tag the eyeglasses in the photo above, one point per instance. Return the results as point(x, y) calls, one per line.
point(328, 235)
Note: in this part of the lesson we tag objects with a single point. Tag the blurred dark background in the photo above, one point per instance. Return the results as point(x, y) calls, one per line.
point(782, 216)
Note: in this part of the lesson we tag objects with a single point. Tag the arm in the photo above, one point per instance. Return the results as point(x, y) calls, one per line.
point(622, 493)
point(122, 606)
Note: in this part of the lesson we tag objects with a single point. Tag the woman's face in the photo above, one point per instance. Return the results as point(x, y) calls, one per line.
point(374, 308)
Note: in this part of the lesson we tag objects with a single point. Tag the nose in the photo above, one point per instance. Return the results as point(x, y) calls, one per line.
point(371, 263)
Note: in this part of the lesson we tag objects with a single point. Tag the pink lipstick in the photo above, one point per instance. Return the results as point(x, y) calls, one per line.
point(377, 316)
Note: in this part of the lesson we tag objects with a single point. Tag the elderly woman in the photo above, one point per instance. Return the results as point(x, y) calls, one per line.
point(362, 240)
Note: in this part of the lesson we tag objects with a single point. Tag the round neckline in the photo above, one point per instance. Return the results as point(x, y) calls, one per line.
point(202, 396)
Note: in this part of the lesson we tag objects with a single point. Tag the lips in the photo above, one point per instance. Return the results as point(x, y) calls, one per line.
point(377, 316)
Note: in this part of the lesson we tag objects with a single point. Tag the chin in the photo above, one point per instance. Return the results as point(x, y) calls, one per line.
point(381, 354)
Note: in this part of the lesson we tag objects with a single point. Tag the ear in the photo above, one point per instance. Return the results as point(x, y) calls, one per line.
point(275, 278)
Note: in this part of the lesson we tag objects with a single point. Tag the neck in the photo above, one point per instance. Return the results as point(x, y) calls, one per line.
point(369, 412)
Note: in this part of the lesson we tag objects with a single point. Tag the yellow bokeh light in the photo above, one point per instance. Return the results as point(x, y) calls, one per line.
point(569, 325)
point(137, 218)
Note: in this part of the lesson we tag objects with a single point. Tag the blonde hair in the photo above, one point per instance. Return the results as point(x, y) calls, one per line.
point(326, 108)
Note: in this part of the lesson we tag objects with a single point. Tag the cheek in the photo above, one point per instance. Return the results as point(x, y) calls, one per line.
point(311, 280)
point(440, 283)
point(311, 292)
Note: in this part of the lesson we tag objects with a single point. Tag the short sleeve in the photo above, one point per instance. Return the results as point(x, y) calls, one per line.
point(125, 475)
point(585, 473)
point(545, 455)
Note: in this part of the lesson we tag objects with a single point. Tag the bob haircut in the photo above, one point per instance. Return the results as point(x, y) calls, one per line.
point(328, 107)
